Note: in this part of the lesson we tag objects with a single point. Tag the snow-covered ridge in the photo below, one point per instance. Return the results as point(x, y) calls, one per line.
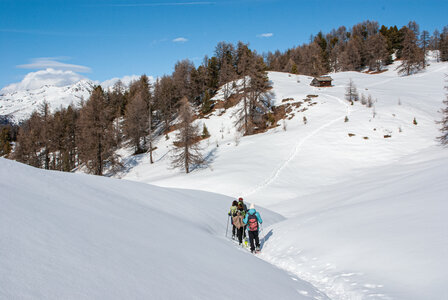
point(59, 88)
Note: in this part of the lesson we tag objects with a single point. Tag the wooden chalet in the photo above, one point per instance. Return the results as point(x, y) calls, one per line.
point(321, 81)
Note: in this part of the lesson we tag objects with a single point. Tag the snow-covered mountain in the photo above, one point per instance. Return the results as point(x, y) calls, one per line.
point(58, 88)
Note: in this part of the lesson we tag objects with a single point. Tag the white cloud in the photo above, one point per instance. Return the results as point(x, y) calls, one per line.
point(180, 40)
point(265, 35)
point(53, 63)
point(35, 80)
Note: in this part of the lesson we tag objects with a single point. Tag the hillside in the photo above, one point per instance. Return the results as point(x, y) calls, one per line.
point(353, 198)
point(75, 236)
point(359, 196)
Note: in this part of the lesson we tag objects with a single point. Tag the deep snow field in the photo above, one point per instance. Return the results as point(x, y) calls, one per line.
point(74, 236)
point(346, 217)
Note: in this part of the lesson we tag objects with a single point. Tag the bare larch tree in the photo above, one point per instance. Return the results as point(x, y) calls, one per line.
point(186, 149)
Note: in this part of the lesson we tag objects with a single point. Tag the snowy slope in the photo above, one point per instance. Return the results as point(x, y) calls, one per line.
point(364, 212)
point(73, 236)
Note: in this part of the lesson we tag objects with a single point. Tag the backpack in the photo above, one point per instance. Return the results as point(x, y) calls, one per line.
point(233, 210)
point(238, 220)
point(252, 222)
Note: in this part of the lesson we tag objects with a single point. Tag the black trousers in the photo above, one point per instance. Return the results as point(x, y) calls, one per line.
point(239, 233)
point(253, 236)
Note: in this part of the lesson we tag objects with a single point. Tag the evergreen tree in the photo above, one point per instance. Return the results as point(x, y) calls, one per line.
point(5, 140)
point(206, 104)
point(186, 149)
point(205, 133)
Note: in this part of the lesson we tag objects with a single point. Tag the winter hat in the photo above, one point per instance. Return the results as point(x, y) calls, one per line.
point(252, 206)
point(240, 199)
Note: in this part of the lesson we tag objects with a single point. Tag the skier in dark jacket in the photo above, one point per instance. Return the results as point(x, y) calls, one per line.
point(252, 220)
point(232, 213)
point(241, 201)
point(238, 223)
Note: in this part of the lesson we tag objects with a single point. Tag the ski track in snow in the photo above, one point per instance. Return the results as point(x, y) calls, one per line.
point(333, 287)
point(276, 173)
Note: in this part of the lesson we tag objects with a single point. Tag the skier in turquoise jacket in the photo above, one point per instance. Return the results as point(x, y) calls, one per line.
point(252, 220)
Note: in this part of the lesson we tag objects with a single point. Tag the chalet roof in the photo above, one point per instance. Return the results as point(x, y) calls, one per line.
point(324, 78)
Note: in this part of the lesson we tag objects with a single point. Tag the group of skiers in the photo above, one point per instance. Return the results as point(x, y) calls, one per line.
point(243, 219)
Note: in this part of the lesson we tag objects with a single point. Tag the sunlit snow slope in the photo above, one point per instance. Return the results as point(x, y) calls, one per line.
point(73, 236)
point(364, 199)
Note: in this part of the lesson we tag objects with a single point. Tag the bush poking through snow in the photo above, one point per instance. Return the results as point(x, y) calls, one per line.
point(363, 99)
point(415, 121)
point(305, 120)
point(205, 133)
point(369, 101)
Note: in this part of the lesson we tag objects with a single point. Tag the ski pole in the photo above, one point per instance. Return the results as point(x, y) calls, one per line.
point(227, 228)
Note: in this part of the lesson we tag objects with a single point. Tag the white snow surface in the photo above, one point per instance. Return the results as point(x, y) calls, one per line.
point(75, 236)
point(365, 214)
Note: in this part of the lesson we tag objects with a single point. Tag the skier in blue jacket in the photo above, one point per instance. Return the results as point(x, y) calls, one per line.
point(253, 219)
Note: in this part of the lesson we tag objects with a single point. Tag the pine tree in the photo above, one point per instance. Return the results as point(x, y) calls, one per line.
point(5, 140)
point(186, 149)
point(206, 104)
point(205, 133)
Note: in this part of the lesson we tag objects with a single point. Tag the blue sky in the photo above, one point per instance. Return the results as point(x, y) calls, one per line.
point(105, 39)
